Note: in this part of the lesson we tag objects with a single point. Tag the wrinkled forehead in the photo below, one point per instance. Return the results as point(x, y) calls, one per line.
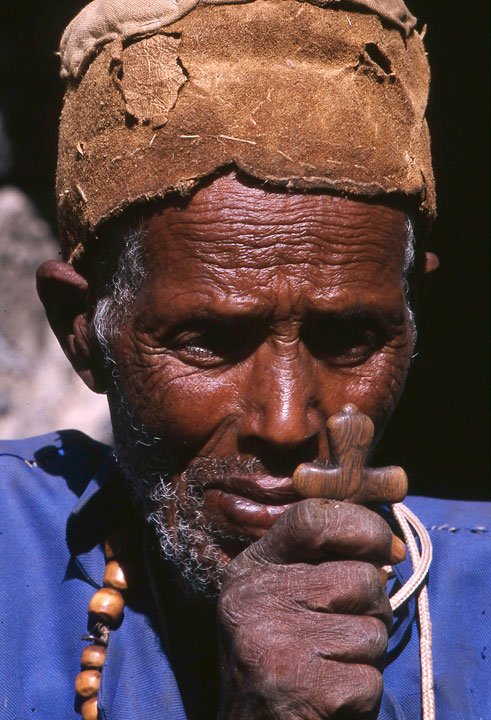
point(233, 236)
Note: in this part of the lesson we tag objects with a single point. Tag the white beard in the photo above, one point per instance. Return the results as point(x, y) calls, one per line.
point(191, 545)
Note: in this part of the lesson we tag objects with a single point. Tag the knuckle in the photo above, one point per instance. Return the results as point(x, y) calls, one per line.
point(237, 598)
point(364, 592)
point(376, 599)
point(372, 578)
point(370, 687)
point(227, 610)
point(364, 578)
point(233, 577)
point(364, 532)
point(374, 637)
point(375, 595)
point(295, 534)
point(370, 586)
point(354, 585)
point(379, 531)
point(308, 517)
point(373, 685)
point(305, 523)
point(364, 691)
point(359, 692)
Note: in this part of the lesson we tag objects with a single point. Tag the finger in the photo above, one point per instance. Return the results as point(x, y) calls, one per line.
point(348, 587)
point(360, 692)
point(353, 638)
point(313, 686)
point(345, 689)
point(314, 530)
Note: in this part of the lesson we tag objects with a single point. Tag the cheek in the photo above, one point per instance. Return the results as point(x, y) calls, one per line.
point(376, 386)
point(187, 406)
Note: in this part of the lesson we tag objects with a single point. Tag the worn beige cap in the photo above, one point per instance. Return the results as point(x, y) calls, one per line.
point(305, 95)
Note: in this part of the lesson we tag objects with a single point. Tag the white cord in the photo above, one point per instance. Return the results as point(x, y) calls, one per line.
point(421, 562)
point(417, 582)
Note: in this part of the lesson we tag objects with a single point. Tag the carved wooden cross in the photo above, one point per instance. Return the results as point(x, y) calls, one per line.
point(350, 436)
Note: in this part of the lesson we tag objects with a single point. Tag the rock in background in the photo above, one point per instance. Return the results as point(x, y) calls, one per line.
point(39, 391)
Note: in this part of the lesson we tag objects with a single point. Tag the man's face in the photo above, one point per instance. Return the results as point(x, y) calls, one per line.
point(262, 313)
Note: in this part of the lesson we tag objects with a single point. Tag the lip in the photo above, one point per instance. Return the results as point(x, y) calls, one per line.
point(250, 506)
point(264, 489)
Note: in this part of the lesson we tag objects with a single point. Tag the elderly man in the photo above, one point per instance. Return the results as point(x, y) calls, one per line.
point(244, 189)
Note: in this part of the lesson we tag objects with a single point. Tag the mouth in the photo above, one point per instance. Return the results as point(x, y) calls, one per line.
point(248, 506)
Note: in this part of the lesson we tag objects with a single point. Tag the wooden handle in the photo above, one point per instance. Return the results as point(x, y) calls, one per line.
point(350, 436)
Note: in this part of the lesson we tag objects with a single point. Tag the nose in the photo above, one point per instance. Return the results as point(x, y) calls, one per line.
point(281, 412)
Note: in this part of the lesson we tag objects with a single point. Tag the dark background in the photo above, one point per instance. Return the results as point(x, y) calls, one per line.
point(441, 428)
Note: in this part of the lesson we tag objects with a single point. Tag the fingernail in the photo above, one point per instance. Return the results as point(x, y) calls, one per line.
point(383, 576)
point(398, 550)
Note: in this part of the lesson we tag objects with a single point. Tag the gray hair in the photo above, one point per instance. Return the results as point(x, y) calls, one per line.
point(119, 279)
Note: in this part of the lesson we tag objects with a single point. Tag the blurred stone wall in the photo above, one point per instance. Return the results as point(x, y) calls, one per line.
point(39, 391)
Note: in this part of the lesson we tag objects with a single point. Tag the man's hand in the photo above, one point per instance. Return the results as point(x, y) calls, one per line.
point(304, 616)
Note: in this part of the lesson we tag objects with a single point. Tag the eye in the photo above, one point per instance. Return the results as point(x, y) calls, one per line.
point(343, 342)
point(212, 347)
point(204, 347)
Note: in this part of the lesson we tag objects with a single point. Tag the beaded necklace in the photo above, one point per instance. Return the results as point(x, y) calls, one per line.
point(106, 610)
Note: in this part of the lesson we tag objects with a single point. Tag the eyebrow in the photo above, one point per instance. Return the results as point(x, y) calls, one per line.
point(362, 312)
point(205, 316)
point(214, 317)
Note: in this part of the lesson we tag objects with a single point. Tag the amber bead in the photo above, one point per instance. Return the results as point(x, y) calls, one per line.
point(93, 657)
point(114, 576)
point(89, 709)
point(108, 605)
point(87, 683)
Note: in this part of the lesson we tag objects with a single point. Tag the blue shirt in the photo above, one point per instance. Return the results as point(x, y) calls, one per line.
point(50, 488)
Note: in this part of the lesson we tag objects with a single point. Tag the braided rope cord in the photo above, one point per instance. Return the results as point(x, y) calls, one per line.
point(421, 561)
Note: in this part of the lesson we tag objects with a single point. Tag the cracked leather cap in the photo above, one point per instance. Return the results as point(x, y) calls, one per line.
point(304, 95)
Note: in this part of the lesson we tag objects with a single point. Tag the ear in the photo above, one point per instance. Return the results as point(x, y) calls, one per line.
point(63, 293)
point(432, 262)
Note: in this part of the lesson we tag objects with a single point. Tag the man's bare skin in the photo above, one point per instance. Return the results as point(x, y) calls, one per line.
point(262, 314)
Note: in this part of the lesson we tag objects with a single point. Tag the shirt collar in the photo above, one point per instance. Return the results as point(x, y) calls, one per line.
point(88, 523)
